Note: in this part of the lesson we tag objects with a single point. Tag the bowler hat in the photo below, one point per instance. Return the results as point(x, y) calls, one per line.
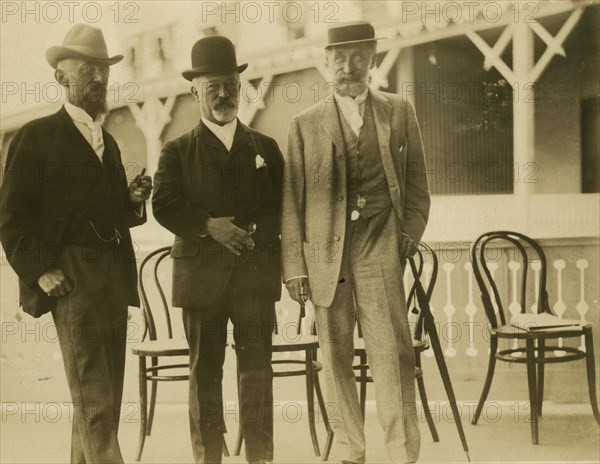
point(214, 54)
point(351, 33)
point(82, 42)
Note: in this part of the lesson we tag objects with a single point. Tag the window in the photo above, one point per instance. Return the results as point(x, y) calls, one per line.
point(590, 145)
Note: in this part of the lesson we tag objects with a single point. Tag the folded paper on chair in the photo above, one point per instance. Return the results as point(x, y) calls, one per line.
point(543, 321)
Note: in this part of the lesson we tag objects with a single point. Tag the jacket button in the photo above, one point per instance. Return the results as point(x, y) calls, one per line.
point(337, 238)
point(341, 198)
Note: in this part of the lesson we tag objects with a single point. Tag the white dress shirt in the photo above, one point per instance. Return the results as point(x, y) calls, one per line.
point(90, 129)
point(353, 109)
point(224, 133)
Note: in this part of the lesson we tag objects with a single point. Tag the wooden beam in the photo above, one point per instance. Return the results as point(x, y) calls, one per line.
point(554, 44)
point(491, 57)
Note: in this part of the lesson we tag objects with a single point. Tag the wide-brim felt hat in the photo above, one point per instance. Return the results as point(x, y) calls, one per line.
point(351, 33)
point(212, 55)
point(82, 42)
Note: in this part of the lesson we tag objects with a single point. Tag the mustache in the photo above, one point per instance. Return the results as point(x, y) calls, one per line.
point(224, 104)
point(353, 77)
point(95, 91)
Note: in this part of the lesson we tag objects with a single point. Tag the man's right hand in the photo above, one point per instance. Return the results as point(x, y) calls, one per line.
point(224, 231)
point(55, 283)
point(298, 289)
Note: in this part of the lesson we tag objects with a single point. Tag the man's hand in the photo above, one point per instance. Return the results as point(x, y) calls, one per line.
point(298, 289)
point(55, 283)
point(224, 231)
point(140, 188)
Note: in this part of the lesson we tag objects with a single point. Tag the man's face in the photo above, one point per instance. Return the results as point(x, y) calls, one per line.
point(349, 67)
point(218, 96)
point(86, 84)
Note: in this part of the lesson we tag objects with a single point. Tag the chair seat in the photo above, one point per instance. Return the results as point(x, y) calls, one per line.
point(283, 343)
point(418, 345)
point(510, 331)
point(167, 347)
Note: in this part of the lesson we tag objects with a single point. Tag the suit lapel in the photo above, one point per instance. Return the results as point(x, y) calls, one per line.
point(241, 138)
point(80, 144)
point(331, 124)
point(382, 112)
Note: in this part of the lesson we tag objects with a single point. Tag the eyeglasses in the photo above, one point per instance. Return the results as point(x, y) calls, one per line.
point(90, 69)
point(251, 230)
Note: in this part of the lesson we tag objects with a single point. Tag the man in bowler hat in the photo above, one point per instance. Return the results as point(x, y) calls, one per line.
point(218, 189)
point(65, 213)
point(367, 213)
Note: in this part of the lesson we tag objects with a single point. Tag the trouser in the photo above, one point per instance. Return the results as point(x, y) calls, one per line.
point(91, 322)
point(370, 288)
point(206, 331)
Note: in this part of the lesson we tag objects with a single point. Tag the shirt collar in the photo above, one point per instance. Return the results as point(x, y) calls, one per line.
point(80, 115)
point(358, 99)
point(224, 131)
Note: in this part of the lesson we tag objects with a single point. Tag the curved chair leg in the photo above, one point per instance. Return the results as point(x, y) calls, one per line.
point(426, 410)
point(540, 374)
point(323, 409)
point(153, 390)
point(531, 380)
point(591, 373)
point(363, 383)
point(238, 442)
point(488, 379)
point(152, 405)
point(310, 399)
point(225, 449)
point(143, 407)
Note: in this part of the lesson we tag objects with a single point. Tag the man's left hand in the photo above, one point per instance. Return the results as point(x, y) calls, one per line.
point(140, 189)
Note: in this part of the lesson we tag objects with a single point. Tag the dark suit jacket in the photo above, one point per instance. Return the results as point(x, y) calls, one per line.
point(197, 177)
point(51, 173)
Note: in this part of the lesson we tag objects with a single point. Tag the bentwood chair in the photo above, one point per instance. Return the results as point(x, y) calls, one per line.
point(162, 351)
point(288, 339)
point(418, 302)
point(537, 352)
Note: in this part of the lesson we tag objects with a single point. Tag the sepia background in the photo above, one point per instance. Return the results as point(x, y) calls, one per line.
point(507, 96)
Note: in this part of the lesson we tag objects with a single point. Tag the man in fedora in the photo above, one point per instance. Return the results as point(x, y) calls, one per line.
point(218, 189)
point(353, 211)
point(65, 213)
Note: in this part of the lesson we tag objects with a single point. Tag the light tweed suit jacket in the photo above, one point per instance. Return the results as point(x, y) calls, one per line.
point(314, 188)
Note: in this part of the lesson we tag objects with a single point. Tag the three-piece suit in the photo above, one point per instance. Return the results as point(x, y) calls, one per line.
point(352, 206)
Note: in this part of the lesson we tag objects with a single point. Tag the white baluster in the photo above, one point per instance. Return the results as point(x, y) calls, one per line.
point(582, 307)
point(471, 310)
point(449, 309)
point(514, 306)
point(559, 307)
point(537, 267)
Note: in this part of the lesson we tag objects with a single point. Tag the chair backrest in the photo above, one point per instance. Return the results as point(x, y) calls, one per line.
point(424, 257)
point(528, 251)
point(151, 265)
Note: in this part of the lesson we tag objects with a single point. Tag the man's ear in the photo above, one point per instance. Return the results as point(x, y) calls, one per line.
point(194, 93)
point(61, 77)
point(373, 61)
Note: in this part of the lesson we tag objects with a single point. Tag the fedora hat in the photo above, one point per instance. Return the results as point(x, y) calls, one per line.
point(214, 54)
point(351, 33)
point(82, 42)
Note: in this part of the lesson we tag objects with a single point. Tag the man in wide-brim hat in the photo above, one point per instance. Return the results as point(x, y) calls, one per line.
point(218, 189)
point(65, 213)
point(369, 221)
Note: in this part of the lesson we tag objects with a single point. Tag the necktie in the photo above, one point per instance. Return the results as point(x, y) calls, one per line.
point(351, 111)
point(97, 139)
